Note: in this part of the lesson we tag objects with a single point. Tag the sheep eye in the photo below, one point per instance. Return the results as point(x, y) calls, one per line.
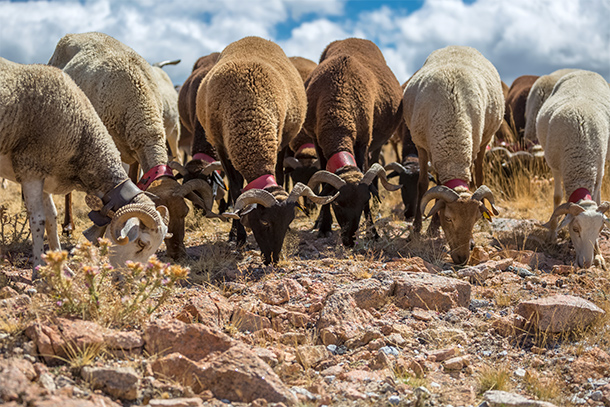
point(576, 230)
point(264, 223)
point(448, 220)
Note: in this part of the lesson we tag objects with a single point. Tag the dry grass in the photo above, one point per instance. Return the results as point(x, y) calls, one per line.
point(546, 388)
point(493, 378)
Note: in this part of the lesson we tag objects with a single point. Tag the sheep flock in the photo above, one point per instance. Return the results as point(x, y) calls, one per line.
point(253, 138)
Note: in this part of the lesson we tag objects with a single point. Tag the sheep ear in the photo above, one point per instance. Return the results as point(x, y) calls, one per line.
point(566, 221)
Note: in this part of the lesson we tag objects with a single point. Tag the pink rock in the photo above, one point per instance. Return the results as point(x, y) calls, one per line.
point(209, 308)
point(15, 382)
point(278, 292)
point(441, 354)
point(122, 340)
point(248, 321)
point(180, 369)
point(309, 356)
point(431, 292)
point(177, 402)
point(195, 341)
point(560, 313)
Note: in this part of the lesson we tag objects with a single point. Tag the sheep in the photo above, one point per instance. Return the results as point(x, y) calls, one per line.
point(169, 96)
point(539, 92)
point(573, 127)
point(52, 142)
point(250, 104)
point(515, 105)
point(354, 106)
point(453, 106)
point(506, 134)
point(122, 88)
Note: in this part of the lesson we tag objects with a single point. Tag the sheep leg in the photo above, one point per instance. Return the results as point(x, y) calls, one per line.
point(557, 197)
point(478, 166)
point(422, 187)
point(599, 260)
point(279, 166)
point(324, 221)
point(369, 219)
point(50, 213)
point(134, 171)
point(33, 196)
point(236, 181)
point(68, 226)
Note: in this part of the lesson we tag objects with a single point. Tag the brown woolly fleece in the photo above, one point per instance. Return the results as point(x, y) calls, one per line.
point(121, 86)
point(515, 101)
point(304, 66)
point(251, 104)
point(192, 132)
point(352, 97)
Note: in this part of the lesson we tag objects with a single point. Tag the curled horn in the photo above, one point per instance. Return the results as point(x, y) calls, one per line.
point(327, 177)
point(168, 62)
point(377, 170)
point(439, 192)
point(301, 189)
point(292, 162)
point(201, 186)
point(399, 168)
point(147, 215)
point(603, 208)
point(483, 192)
point(255, 196)
point(211, 167)
point(500, 152)
point(175, 165)
point(568, 208)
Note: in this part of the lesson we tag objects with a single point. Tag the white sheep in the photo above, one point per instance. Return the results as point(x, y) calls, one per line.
point(539, 92)
point(573, 127)
point(52, 142)
point(169, 97)
point(453, 106)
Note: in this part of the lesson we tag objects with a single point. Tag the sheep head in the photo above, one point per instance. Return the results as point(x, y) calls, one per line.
point(301, 169)
point(458, 212)
point(269, 217)
point(585, 220)
point(408, 177)
point(354, 194)
point(137, 230)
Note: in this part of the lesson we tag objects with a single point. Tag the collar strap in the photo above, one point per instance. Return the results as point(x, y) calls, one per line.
point(117, 197)
point(262, 182)
point(456, 182)
point(204, 157)
point(579, 194)
point(304, 146)
point(153, 174)
point(339, 160)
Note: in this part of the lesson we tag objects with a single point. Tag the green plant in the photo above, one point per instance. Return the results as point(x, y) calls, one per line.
point(96, 291)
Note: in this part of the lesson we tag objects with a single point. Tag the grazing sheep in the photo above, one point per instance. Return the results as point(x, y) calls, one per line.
point(573, 126)
point(515, 105)
point(169, 96)
point(453, 106)
point(121, 86)
point(52, 142)
point(354, 106)
point(506, 135)
point(539, 92)
point(250, 104)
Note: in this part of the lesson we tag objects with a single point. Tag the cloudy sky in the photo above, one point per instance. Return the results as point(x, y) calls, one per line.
point(518, 36)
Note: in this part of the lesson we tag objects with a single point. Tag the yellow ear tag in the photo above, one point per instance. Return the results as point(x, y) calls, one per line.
point(486, 216)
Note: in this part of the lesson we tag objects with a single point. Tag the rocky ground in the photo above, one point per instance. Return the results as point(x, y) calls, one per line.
point(390, 323)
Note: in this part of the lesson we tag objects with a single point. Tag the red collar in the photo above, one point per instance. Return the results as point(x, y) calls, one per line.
point(262, 182)
point(304, 146)
point(339, 160)
point(456, 182)
point(153, 174)
point(204, 157)
point(580, 193)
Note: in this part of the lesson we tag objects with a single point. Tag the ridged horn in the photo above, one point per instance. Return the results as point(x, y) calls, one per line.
point(568, 208)
point(201, 186)
point(164, 212)
point(255, 196)
point(483, 192)
point(327, 177)
point(176, 166)
point(395, 166)
point(377, 170)
point(603, 208)
point(168, 62)
point(301, 189)
point(439, 192)
point(499, 151)
point(292, 162)
point(211, 167)
point(147, 215)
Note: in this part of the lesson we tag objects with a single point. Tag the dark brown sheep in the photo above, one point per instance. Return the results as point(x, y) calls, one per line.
point(515, 104)
point(250, 104)
point(353, 99)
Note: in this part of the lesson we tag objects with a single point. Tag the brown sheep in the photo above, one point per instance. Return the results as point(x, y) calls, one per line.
point(122, 88)
point(250, 104)
point(515, 104)
point(353, 100)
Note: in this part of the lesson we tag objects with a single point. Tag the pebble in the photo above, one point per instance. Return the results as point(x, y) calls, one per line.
point(435, 385)
point(474, 303)
point(503, 353)
point(486, 353)
point(520, 372)
point(394, 400)
point(30, 291)
point(329, 379)
point(597, 395)
point(372, 395)
point(390, 350)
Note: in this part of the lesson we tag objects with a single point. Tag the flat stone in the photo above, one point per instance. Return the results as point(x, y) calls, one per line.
point(559, 313)
point(431, 292)
point(456, 363)
point(280, 291)
point(123, 340)
point(177, 402)
point(497, 398)
point(209, 308)
point(248, 321)
point(309, 356)
point(119, 382)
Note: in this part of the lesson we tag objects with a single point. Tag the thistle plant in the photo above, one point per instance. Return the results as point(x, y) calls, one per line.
point(87, 286)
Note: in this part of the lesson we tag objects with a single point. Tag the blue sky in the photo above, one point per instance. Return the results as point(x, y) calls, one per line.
point(518, 36)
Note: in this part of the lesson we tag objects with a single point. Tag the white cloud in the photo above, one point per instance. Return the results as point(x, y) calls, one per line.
point(518, 36)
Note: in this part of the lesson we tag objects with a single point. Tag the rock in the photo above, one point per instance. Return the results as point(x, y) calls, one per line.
point(441, 355)
point(122, 340)
point(509, 326)
point(370, 293)
point(195, 341)
point(177, 402)
point(431, 292)
point(563, 269)
point(293, 338)
point(421, 314)
point(119, 382)
point(209, 308)
point(15, 380)
point(309, 356)
point(248, 321)
point(180, 369)
point(478, 255)
point(65, 338)
point(560, 313)
point(341, 318)
point(7, 292)
point(456, 363)
point(278, 292)
point(475, 275)
point(396, 339)
point(497, 398)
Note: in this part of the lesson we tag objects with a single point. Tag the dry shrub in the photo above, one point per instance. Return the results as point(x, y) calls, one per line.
point(493, 378)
